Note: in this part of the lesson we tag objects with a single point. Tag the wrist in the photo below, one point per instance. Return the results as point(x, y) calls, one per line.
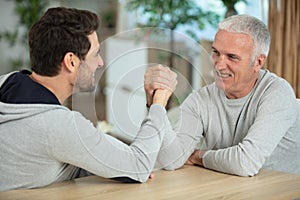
point(161, 97)
point(196, 157)
point(200, 156)
point(149, 99)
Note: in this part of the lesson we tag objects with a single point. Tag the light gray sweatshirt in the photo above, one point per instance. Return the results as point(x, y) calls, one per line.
point(241, 136)
point(43, 143)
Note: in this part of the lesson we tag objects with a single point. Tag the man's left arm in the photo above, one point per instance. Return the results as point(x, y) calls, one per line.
point(276, 114)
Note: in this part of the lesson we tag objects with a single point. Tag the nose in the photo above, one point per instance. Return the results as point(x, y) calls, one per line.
point(220, 62)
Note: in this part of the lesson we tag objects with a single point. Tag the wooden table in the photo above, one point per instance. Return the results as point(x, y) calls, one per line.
point(186, 183)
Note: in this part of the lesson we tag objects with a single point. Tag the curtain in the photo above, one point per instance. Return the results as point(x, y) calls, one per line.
point(284, 26)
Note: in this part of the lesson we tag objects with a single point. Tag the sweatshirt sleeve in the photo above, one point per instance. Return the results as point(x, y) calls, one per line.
point(180, 143)
point(82, 145)
point(277, 111)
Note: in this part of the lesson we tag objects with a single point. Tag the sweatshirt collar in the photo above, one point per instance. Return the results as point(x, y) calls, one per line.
point(19, 88)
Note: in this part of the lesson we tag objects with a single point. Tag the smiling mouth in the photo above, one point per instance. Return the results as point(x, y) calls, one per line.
point(223, 75)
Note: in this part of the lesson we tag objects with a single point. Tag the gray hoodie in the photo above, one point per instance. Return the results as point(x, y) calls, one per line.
point(46, 143)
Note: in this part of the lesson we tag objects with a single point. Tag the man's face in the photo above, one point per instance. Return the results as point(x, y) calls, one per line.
point(234, 71)
point(88, 67)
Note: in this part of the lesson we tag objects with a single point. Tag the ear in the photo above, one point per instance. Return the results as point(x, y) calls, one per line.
point(259, 62)
point(71, 62)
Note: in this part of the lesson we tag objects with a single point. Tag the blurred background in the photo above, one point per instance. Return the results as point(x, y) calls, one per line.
point(135, 34)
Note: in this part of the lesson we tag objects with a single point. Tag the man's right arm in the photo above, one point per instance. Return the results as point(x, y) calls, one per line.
point(178, 144)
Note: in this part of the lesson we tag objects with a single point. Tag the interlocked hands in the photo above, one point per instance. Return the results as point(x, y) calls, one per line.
point(159, 84)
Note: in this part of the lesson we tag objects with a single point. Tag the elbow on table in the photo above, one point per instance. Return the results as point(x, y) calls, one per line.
point(143, 178)
point(173, 166)
point(246, 170)
point(133, 179)
point(240, 163)
point(169, 166)
point(246, 173)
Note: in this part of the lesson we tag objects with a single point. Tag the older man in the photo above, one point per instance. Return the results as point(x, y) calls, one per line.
point(248, 118)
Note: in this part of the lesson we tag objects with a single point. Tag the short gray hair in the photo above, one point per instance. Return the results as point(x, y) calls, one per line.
point(251, 26)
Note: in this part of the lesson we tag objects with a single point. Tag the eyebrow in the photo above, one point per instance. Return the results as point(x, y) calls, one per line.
point(214, 49)
point(228, 54)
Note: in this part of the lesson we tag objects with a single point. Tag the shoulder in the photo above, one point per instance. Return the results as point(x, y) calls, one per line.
point(4, 77)
point(270, 82)
point(63, 114)
point(275, 92)
point(201, 99)
point(272, 88)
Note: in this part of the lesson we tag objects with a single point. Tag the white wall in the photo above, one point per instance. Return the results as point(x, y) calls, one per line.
point(126, 62)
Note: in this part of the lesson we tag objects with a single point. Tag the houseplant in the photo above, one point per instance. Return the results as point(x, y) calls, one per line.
point(28, 12)
point(230, 9)
point(170, 14)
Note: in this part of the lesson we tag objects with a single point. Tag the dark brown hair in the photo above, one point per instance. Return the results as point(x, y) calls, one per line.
point(59, 31)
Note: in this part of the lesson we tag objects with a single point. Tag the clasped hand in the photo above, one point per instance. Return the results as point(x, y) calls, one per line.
point(159, 84)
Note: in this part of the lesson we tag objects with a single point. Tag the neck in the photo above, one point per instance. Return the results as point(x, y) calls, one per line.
point(56, 84)
point(246, 90)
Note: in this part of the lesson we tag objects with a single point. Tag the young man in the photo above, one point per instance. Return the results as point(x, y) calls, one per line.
point(248, 118)
point(43, 142)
